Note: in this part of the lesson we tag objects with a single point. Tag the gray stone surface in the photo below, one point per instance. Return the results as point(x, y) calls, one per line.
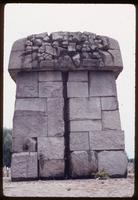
point(93, 161)
point(111, 120)
point(51, 147)
point(20, 144)
point(50, 76)
point(107, 140)
point(50, 89)
point(107, 58)
point(27, 84)
point(113, 162)
point(117, 59)
point(109, 103)
point(79, 141)
point(29, 125)
point(84, 108)
point(85, 125)
point(78, 76)
point(15, 61)
point(77, 89)
point(113, 44)
point(19, 45)
point(24, 165)
point(51, 168)
point(102, 84)
point(55, 108)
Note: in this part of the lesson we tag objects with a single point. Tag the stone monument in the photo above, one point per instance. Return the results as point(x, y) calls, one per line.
point(66, 122)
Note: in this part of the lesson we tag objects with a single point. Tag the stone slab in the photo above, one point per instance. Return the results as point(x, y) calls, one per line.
point(51, 168)
point(102, 84)
point(24, 165)
point(113, 162)
point(51, 147)
point(107, 140)
point(29, 125)
point(50, 89)
point(50, 76)
point(55, 111)
point(117, 59)
point(111, 120)
point(85, 125)
point(77, 89)
point(78, 76)
point(79, 141)
point(109, 103)
point(93, 161)
point(27, 84)
point(20, 144)
point(84, 108)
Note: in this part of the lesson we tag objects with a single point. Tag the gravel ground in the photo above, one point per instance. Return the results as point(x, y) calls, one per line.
point(70, 188)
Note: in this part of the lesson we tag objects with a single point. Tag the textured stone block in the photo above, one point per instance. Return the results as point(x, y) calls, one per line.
point(55, 116)
point(107, 58)
point(20, 144)
point(51, 168)
point(85, 108)
point(19, 45)
point(79, 141)
point(102, 84)
point(113, 162)
point(31, 104)
point(50, 89)
point(16, 59)
point(109, 103)
point(111, 120)
point(107, 140)
point(85, 125)
point(78, 76)
point(93, 161)
point(29, 125)
point(27, 62)
point(50, 76)
point(117, 58)
point(27, 84)
point(113, 44)
point(51, 147)
point(77, 89)
point(24, 165)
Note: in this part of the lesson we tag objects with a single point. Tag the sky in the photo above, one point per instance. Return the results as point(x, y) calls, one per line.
point(113, 20)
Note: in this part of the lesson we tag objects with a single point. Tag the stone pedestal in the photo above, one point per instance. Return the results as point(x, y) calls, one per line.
point(66, 122)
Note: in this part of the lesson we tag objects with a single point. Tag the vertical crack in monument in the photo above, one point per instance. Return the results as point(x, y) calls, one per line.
point(66, 122)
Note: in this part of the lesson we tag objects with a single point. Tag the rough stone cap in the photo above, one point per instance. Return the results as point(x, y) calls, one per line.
point(65, 51)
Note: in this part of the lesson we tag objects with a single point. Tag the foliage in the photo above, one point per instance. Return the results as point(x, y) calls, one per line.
point(102, 174)
point(7, 147)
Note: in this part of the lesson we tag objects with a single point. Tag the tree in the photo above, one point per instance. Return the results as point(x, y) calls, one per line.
point(7, 147)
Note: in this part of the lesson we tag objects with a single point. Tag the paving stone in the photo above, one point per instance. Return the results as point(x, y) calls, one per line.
point(24, 165)
point(55, 108)
point(113, 162)
point(78, 76)
point(117, 59)
point(29, 125)
point(77, 89)
point(107, 140)
point(50, 76)
point(19, 45)
point(20, 144)
point(102, 84)
point(84, 108)
point(111, 120)
point(109, 103)
point(50, 89)
point(27, 84)
point(51, 147)
point(79, 141)
point(85, 125)
point(31, 104)
point(51, 168)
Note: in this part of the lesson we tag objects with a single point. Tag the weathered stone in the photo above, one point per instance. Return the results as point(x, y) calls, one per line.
point(24, 165)
point(76, 76)
point(85, 125)
point(19, 45)
point(27, 84)
point(29, 125)
point(113, 162)
point(85, 108)
point(65, 62)
point(41, 35)
point(27, 63)
point(55, 116)
point(51, 147)
point(76, 59)
point(51, 168)
point(38, 42)
point(72, 47)
point(107, 58)
point(79, 141)
point(77, 89)
point(20, 144)
point(111, 120)
point(107, 140)
point(31, 104)
point(102, 84)
point(50, 76)
point(117, 59)
point(93, 161)
point(50, 89)
point(57, 36)
point(90, 62)
point(16, 59)
point(50, 50)
point(47, 64)
point(109, 103)
point(113, 44)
